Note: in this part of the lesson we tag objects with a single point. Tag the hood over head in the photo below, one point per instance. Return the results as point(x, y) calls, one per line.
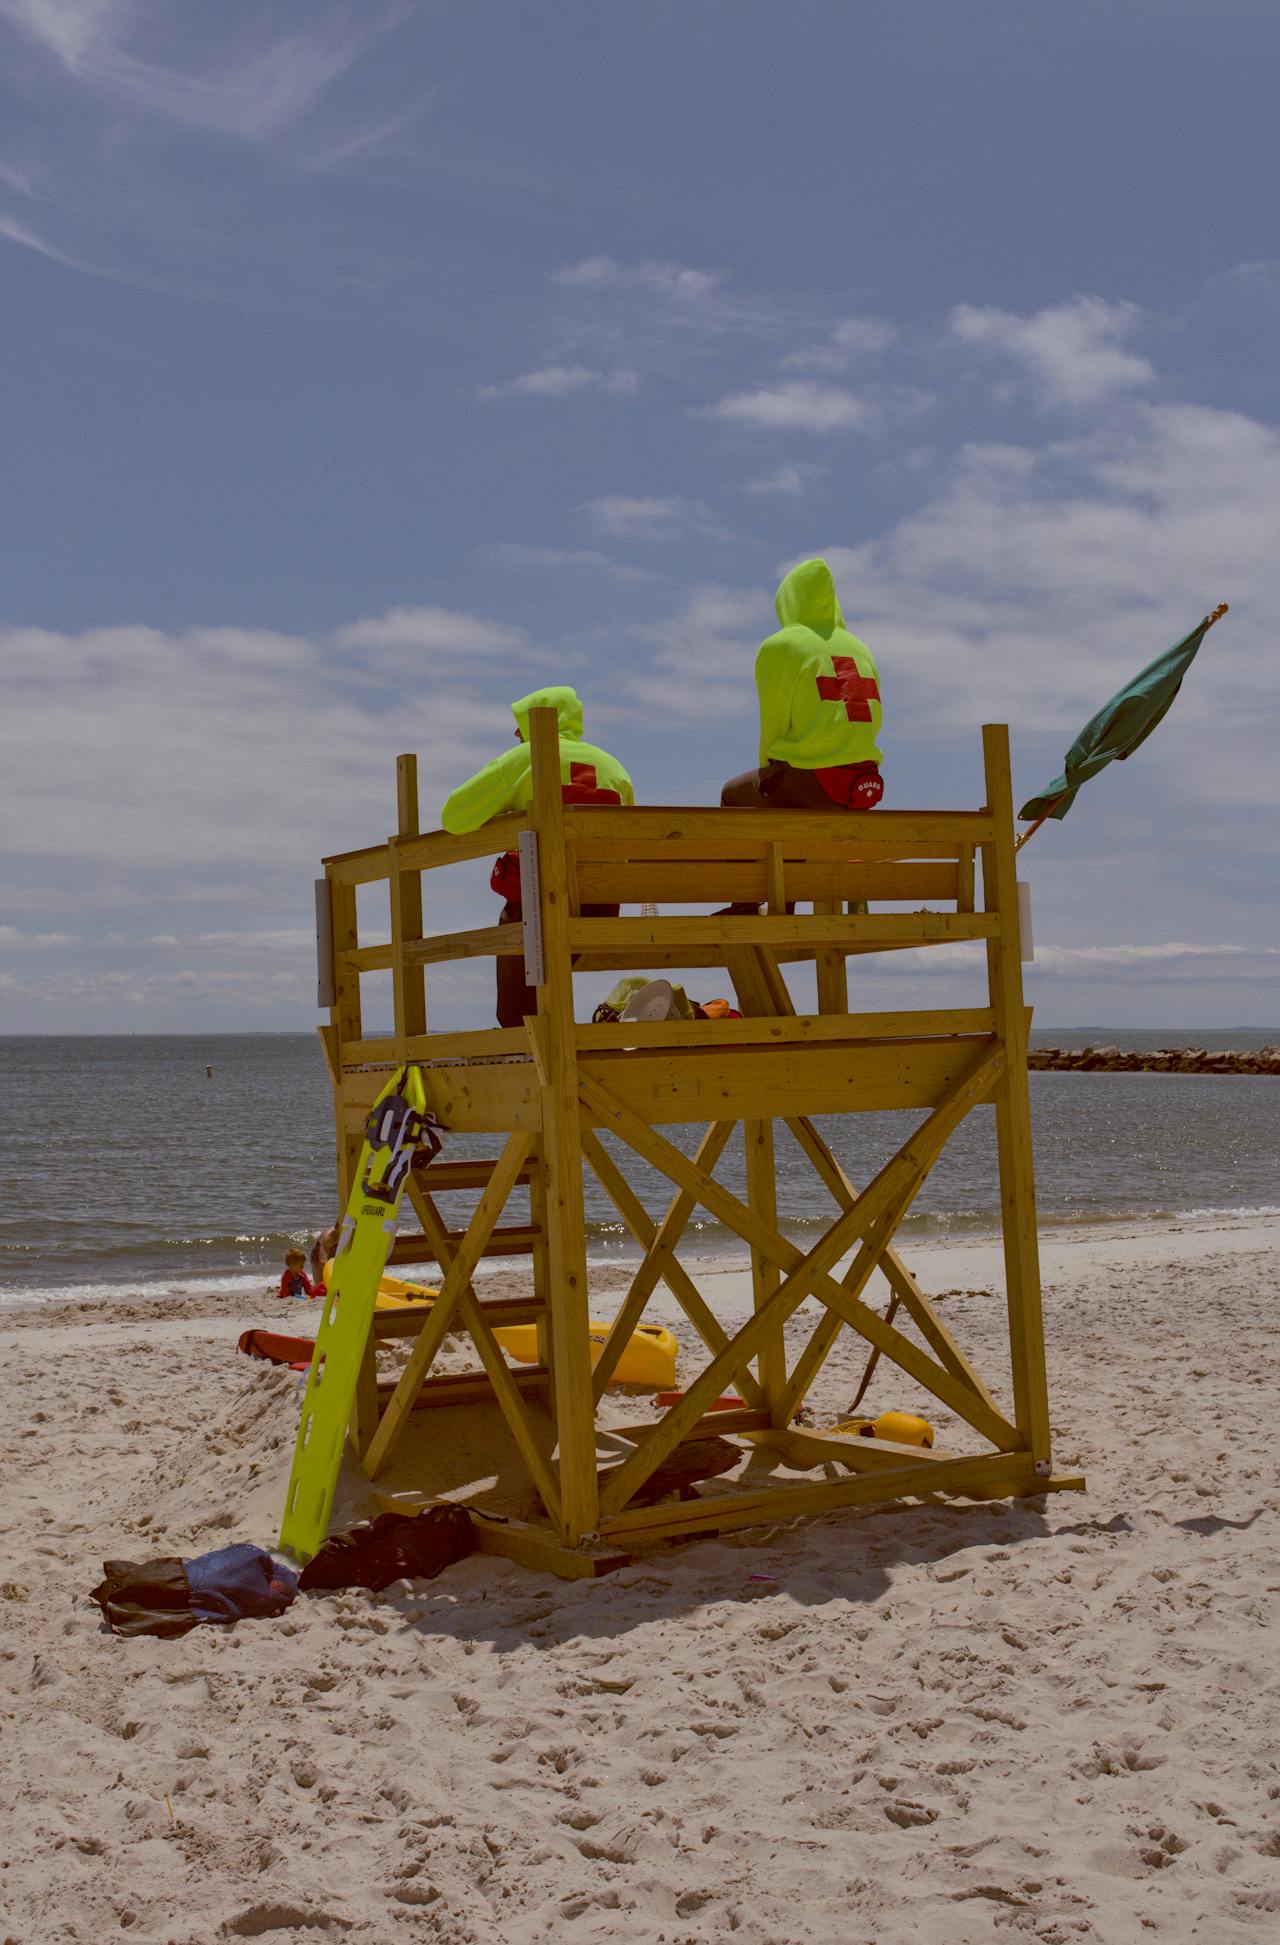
point(808, 596)
point(564, 701)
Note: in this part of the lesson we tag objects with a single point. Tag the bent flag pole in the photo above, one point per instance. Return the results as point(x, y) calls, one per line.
point(1119, 726)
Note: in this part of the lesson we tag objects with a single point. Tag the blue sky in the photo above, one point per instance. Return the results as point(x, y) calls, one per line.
point(367, 364)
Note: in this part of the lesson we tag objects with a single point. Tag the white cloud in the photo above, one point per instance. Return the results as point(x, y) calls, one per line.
point(560, 381)
point(796, 405)
point(792, 480)
point(665, 279)
point(717, 628)
point(515, 553)
point(853, 338)
point(449, 631)
point(1074, 351)
point(625, 517)
point(252, 87)
point(12, 939)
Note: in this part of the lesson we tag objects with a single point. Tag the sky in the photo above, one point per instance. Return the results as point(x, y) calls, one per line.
point(369, 363)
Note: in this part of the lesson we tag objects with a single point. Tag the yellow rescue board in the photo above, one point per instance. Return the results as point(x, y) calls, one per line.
point(393, 1131)
point(649, 1357)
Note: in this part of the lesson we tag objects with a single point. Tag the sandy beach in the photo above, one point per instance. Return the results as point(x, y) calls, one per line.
point(1053, 1719)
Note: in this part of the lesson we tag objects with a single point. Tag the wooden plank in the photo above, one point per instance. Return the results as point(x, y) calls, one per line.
point(784, 1031)
point(715, 1424)
point(685, 881)
point(709, 831)
point(542, 1273)
point(515, 1239)
point(538, 1547)
point(365, 958)
point(482, 1043)
point(446, 1389)
point(436, 848)
point(457, 1280)
point(806, 1449)
point(499, 1311)
point(660, 1262)
point(1013, 1109)
point(552, 1032)
point(670, 1161)
point(993, 1475)
point(478, 942)
point(354, 868)
point(876, 928)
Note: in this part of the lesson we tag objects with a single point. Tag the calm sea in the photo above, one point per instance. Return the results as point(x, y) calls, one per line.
point(123, 1164)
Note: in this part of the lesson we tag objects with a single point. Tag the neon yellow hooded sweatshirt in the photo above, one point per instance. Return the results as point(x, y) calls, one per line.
point(507, 782)
point(819, 686)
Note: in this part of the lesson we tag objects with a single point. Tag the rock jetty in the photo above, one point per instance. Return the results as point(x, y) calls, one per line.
point(1163, 1060)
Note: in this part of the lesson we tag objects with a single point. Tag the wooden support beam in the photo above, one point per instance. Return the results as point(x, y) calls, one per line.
point(551, 1034)
point(762, 1200)
point(408, 981)
point(742, 833)
point(877, 929)
point(884, 1201)
point(670, 1161)
point(992, 1475)
point(1013, 1109)
point(806, 1449)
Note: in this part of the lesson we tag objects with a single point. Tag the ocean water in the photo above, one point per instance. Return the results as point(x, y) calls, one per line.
point(124, 1165)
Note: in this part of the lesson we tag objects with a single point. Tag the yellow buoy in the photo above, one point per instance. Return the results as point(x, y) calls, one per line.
point(902, 1427)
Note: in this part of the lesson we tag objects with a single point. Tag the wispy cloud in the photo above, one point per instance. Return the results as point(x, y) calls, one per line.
point(1074, 351)
point(853, 338)
point(791, 480)
point(626, 517)
point(259, 84)
point(796, 405)
point(447, 631)
point(665, 279)
point(515, 553)
point(561, 381)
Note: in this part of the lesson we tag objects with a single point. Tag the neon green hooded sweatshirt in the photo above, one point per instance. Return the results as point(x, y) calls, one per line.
point(819, 686)
point(507, 782)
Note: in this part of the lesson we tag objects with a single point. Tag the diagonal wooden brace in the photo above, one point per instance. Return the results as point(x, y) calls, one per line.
point(886, 1197)
point(661, 1262)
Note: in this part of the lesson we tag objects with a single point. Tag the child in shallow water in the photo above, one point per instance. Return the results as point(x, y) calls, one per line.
point(295, 1282)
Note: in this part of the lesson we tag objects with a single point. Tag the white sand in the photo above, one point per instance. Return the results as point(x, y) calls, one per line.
point(1054, 1719)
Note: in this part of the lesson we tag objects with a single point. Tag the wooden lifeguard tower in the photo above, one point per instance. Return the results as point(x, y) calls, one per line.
point(549, 1088)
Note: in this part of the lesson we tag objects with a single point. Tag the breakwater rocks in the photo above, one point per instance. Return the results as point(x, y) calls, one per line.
point(1163, 1060)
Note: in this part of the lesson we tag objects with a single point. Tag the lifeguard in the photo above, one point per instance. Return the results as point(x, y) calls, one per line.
point(588, 775)
point(820, 709)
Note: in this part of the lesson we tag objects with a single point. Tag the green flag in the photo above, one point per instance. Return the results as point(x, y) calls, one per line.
point(1121, 724)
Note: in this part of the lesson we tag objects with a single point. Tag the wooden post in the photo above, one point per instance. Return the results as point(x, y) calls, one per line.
point(762, 1200)
point(408, 983)
point(553, 1035)
point(345, 1019)
point(1013, 1111)
point(832, 969)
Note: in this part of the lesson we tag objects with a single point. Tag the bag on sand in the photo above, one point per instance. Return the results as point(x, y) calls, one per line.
point(395, 1546)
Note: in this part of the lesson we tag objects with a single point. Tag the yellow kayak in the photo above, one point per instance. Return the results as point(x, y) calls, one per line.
point(649, 1357)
